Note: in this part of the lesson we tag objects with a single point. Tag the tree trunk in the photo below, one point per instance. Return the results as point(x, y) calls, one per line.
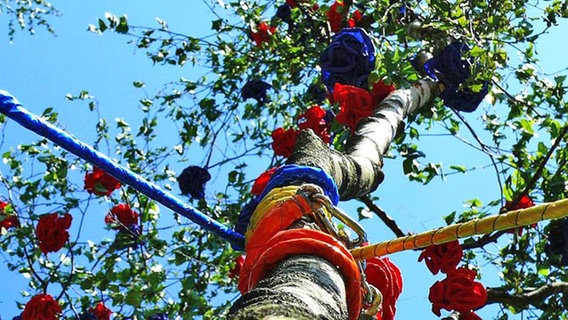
point(300, 287)
point(308, 287)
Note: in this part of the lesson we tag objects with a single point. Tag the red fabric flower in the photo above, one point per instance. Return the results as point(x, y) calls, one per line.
point(283, 141)
point(380, 91)
point(100, 182)
point(524, 202)
point(41, 307)
point(314, 118)
point(122, 215)
point(261, 181)
point(385, 276)
point(7, 220)
point(101, 312)
point(292, 3)
point(51, 231)
point(263, 33)
point(354, 104)
point(459, 292)
point(236, 270)
point(356, 17)
point(442, 257)
point(334, 16)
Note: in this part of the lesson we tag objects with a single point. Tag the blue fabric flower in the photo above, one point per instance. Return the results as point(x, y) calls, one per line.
point(558, 241)
point(159, 316)
point(284, 13)
point(450, 68)
point(192, 181)
point(349, 59)
point(87, 316)
point(256, 89)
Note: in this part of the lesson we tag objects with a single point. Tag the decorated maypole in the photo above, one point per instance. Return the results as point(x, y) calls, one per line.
point(298, 263)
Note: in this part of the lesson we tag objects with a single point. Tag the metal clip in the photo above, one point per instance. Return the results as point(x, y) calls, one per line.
point(345, 219)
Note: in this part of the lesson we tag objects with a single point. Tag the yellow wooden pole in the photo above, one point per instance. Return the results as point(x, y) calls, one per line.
point(509, 220)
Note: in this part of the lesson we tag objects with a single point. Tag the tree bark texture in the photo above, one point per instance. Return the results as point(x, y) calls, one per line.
point(358, 171)
point(301, 287)
point(308, 287)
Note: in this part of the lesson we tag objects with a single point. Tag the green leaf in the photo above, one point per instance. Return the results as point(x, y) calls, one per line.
point(462, 169)
point(133, 297)
point(544, 272)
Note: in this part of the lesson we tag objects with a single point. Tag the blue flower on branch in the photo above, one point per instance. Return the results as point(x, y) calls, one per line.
point(159, 316)
point(452, 69)
point(284, 13)
point(256, 89)
point(192, 181)
point(558, 241)
point(349, 59)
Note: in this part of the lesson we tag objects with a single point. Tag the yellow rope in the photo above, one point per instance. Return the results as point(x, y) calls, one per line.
point(509, 220)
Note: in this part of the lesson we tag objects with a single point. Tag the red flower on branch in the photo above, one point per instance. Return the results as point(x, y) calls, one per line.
point(122, 215)
point(51, 231)
point(355, 19)
point(235, 271)
point(459, 292)
point(283, 141)
point(292, 3)
point(263, 33)
point(100, 182)
point(261, 182)
point(101, 312)
point(385, 276)
point(7, 220)
point(442, 257)
point(41, 307)
point(334, 15)
point(354, 104)
point(380, 91)
point(315, 118)
point(523, 203)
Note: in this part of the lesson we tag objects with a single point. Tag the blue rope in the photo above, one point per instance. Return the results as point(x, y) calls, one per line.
point(287, 175)
point(14, 110)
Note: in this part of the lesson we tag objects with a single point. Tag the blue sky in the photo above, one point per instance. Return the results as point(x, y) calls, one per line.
point(40, 70)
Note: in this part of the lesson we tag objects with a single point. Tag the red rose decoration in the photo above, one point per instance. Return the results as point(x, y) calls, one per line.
point(356, 17)
point(385, 276)
point(239, 262)
point(524, 202)
point(100, 182)
point(51, 231)
point(459, 292)
point(283, 141)
point(442, 257)
point(291, 3)
point(7, 220)
point(380, 91)
point(334, 16)
point(101, 312)
point(263, 33)
point(354, 104)
point(41, 307)
point(261, 181)
point(122, 215)
point(314, 118)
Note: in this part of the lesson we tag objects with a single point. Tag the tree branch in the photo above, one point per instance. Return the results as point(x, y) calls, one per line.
point(358, 171)
point(382, 215)
point(534, 297)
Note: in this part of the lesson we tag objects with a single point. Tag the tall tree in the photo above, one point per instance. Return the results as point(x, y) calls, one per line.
point(269, 63)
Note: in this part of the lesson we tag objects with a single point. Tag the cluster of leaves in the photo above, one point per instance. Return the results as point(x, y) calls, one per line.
point(27, 15)
point(525, 130)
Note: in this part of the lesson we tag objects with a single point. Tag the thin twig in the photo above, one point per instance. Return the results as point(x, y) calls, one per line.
point(537, 296)
point(383, 216)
